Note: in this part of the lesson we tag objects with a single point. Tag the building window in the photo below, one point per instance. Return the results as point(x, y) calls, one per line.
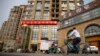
point(29, 7)
point(39, 5)
point(47, 4)
point(54, 32)
point(44, 31)
point(92, 30)
point(72, 6)
point(96, 12)
point(37, 15)
point(86, 16)
point(46, 15)
point(64, 4)
point(78, 4)
point(35, 32)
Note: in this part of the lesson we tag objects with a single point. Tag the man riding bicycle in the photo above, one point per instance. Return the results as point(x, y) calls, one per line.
point(76, 39)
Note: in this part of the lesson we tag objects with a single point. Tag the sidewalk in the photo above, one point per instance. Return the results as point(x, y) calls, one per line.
point(41, 54)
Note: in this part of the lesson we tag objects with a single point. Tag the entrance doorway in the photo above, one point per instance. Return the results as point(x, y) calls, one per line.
point(94, 40)
point(95, 43)
point(99, 44)
point(34, 47)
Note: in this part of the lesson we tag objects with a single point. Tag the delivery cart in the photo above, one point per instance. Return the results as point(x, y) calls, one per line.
point(45, 46)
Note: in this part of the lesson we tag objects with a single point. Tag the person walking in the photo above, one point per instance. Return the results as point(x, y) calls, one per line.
point(76, 39)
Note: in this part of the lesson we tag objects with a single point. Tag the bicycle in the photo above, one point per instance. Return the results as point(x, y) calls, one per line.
point(70, 48)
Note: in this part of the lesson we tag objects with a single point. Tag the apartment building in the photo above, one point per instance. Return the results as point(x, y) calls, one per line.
point(10, 27)
point(49, 12)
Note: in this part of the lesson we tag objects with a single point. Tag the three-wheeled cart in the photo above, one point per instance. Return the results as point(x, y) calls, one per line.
point(45, 45)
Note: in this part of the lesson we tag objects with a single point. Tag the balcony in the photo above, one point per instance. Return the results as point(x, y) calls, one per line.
point(46, 8)
point(64, 8)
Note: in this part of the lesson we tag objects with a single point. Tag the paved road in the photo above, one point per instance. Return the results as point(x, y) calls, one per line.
point(40, 54)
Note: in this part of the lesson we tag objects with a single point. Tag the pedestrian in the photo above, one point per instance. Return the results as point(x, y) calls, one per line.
point(76, 39)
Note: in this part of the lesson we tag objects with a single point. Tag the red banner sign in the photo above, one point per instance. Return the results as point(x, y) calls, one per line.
point(38, 22)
